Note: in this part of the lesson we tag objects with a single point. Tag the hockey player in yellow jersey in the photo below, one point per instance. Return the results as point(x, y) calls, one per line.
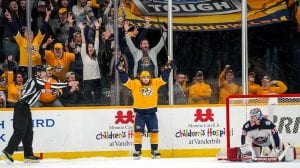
point(145, 98)
point(144, 90)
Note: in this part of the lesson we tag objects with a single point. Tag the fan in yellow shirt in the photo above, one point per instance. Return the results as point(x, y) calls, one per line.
point(253, 88)
point(35, 45)
point(199, 92)
point(227, 85)
point(21, 40)
point(272, 86)
point(15, 87)
point(59, 60)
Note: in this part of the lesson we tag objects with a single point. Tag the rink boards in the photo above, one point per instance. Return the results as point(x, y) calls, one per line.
point(189, 131)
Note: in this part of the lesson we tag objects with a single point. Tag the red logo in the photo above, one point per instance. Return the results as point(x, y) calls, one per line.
point(124, 119)
point(204, 117)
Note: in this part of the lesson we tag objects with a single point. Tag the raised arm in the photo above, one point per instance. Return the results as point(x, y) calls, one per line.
point(81, 27)
point(97, 24)
point(161, 43)
point(221, 79)
point(45, 46)
point(106, 12)
point(129, 42)
point(11, 23)
point(56, 85)
point(122, 9)
point(45, 26)
point(72, 30)
point(144, 31)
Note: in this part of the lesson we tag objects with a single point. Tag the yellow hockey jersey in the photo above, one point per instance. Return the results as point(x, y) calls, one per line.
point(35, 47)
point(145, 97)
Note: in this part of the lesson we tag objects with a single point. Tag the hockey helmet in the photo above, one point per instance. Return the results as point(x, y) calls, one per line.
point(145, 74)
point(256, 112)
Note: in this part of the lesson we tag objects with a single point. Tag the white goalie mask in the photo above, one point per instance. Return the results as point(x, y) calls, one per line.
point(256, 115)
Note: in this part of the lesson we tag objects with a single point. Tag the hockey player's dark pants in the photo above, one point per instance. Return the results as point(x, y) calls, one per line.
point(22, 124)
point(148, 119)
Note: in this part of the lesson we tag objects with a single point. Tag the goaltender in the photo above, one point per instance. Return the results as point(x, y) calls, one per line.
point(260, 139)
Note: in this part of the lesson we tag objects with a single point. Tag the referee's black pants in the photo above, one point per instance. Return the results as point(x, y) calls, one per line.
point(22, 124)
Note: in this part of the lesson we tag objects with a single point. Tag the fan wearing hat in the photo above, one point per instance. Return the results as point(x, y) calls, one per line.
point(227, 86)
point(269, 86)
point(42, 3)
point(62, 24)
point(62, 11)
point(41, 9)
point(253, 88)
point(145, 98)
point(199, 92)
point(59, 60)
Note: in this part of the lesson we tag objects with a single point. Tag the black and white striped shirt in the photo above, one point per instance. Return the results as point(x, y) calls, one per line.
point(33, 88)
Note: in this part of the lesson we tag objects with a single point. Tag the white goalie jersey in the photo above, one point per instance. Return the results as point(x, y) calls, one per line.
point(265, 134)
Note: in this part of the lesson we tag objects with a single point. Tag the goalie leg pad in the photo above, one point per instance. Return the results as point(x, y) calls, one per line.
point(248, 154)
point(257, 150)
point(289, 153)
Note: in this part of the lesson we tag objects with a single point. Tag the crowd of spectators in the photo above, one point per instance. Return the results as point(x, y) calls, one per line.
point(199, 92)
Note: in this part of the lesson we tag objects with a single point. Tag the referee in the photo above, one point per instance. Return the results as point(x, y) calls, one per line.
point(22, 120)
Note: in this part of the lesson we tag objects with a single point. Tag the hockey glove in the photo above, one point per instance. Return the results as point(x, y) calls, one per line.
point(276, 152)
point(121, 66)
point(170, 64)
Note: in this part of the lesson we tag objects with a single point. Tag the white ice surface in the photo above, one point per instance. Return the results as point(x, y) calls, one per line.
point(127, 162)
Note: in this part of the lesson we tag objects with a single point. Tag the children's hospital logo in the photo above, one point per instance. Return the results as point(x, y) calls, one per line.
point(124, 118)
point(204, 116)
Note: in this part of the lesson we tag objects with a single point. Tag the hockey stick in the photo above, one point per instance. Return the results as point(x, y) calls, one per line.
point(259, 159)
point(266, 159)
